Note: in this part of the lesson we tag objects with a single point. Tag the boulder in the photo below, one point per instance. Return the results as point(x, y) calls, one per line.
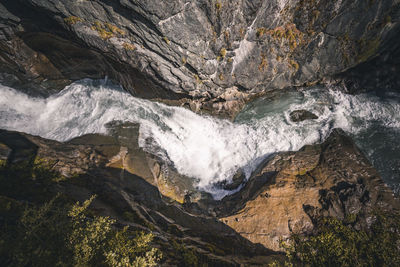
point(302, 115)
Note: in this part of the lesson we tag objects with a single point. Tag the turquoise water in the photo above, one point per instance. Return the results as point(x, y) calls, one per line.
point(208, 149)
point(372, 122)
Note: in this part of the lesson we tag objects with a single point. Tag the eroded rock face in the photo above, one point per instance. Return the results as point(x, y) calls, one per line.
point(104, 166)
point(285, 195)
point(211, 56)
point(292, 189)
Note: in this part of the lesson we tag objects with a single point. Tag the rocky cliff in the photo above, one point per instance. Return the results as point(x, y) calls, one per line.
point(286, 195)
point(99, 165)
point(292, 190)
point(209, 55)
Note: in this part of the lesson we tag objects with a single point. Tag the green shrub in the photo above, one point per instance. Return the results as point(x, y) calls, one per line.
point(187, 256)
point(339, 244)
point(57, 232)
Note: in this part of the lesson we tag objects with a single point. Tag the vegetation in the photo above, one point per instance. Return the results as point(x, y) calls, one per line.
point(129, 47)
point(184, 60)
point(260, 32)
point(218, 6)
point(114, 29)
point(337, 243)
point(226, 35)
point(346, 47)
point(242, 32)
point(72, 20)
point(287, 33)
point(222, 54)
point(107, 30)
point(198, 81)
point(40, 229)
point(388, 19)
point(368, 49)
point(166, 40)
point(187, 256)
point(294, 65)
point(263, 64)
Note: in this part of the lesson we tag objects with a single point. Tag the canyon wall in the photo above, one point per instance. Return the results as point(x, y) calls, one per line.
point(208, 55)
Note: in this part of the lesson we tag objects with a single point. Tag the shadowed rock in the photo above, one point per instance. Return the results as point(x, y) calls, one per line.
point(286, 194)
point(210, 57)
point(302, 115)
point(290, 191)
point(92, 167)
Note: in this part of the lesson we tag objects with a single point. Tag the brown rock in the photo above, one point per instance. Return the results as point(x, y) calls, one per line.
point(134, 202)
point(293, 188)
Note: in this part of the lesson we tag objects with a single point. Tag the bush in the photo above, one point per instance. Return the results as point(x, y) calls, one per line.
point(339, 244)
point(51, 235)
point(58, 232)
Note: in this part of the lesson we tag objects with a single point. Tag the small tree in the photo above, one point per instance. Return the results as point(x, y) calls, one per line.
point(53, 235)
point(58, 233)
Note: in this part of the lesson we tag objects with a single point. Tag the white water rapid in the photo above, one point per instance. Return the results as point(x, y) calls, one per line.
point(208, 149)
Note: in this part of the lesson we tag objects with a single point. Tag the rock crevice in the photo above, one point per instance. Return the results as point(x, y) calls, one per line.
point(178, 51)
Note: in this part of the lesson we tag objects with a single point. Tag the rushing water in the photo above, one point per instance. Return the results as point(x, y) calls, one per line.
point(211, 149)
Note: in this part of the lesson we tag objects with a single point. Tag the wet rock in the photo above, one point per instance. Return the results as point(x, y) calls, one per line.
point(210, 57)
point(238, 179)
point(286, 194)
point(291, 190)
point(302, 115)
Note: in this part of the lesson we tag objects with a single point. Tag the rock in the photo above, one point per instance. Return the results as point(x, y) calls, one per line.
point(291, 190)
point(210, 57)
point(302, 115)
point(89, 166)
point(4, 152)
point(170, 183)
point(18, 149)
point(238, 179)
point(286, 194)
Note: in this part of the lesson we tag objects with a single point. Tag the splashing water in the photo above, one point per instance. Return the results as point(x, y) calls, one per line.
point(209, 149)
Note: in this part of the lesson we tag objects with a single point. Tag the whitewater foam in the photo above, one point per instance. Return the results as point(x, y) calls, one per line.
point(208, 149)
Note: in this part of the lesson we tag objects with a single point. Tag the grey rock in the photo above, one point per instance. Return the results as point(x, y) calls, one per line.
point(193, 52)
point(302, 115)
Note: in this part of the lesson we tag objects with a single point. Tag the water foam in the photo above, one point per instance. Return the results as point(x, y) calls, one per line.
point(208, 149)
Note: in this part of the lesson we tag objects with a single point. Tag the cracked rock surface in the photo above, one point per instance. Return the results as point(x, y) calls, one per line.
point(211, 56)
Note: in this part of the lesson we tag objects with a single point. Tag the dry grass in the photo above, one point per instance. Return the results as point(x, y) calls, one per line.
point(263, 64)
point(294, 64)
point(129, 47)
point(107, 30)
point(72, 20)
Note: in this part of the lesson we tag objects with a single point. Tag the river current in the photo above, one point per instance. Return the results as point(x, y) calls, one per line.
point(211, 149)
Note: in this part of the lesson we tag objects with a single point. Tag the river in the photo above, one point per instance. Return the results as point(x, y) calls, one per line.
point(211, 149)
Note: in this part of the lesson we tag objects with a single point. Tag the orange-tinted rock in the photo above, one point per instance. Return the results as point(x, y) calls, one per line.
point(330, 179)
